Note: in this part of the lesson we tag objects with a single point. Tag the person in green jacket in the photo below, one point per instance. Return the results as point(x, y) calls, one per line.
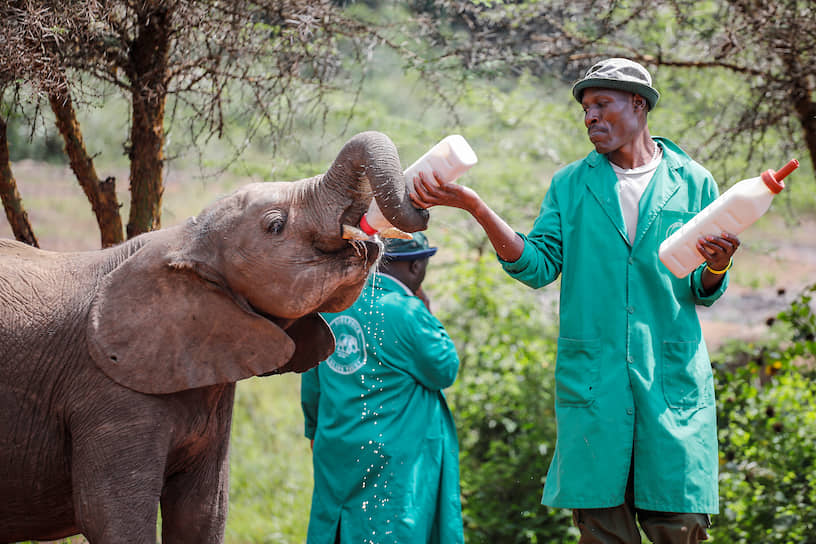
point(634, 392)
point(384, 445)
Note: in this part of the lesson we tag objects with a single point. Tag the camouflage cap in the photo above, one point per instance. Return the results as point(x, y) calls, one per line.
point(619, 74)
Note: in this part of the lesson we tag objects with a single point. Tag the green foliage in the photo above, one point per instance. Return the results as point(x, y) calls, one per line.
point(28, 139)
point(767, 421)
point(694, 106)
point(503, 404)
point(802, 320)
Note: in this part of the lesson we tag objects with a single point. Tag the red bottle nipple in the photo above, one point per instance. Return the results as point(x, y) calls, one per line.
point(774, 179)
point(368, 229)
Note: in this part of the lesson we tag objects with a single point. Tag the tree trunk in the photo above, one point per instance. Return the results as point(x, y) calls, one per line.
point(806, 112)
point(12, 203)
point(101, 194)
point(148, 72)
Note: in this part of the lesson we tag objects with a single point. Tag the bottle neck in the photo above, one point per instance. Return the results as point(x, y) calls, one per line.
point(774, 185)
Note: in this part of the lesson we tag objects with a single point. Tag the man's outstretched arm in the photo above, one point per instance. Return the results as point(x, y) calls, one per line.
point(507, 243)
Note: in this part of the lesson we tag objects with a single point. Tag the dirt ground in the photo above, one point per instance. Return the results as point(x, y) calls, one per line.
point(774, 264)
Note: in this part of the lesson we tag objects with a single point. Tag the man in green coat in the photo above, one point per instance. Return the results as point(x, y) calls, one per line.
point(385, 452)
point(634, 393)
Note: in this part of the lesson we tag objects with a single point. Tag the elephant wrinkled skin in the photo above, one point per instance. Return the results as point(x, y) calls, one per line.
point(118, 366)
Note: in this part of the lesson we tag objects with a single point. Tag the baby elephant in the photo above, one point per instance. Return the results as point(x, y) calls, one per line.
point(118, 366)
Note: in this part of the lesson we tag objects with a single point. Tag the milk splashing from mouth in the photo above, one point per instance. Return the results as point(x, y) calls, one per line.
point(360, 248)
point(374, 477)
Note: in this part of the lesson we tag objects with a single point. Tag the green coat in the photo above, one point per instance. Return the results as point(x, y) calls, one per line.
point(633, 379)
point(386, 456)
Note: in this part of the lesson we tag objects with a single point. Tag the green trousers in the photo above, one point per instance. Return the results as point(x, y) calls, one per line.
point(619, 525)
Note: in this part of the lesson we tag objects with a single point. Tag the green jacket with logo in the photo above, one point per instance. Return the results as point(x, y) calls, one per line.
point(386, 456)
point(633, 380)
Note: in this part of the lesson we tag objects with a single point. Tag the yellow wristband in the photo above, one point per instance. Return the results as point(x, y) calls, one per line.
point(720, 272)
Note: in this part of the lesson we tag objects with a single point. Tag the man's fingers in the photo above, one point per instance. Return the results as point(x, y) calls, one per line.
point(731, 239)
point(418, 201)
point(727, 243)
point(716, 243)
point(419, 187)
point(704, 251)
point(427, 193)
point(711, 250)
point(727, 238)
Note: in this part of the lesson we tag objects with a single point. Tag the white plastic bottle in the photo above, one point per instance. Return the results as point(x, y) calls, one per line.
point(450, 158)
point(734, 211)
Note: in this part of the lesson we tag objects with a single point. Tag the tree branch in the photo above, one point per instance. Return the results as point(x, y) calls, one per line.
point(101, 195)
point(12, 203)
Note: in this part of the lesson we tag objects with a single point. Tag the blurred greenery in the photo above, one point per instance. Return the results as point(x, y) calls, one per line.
point(767, 421)
point(270, 463)
point(523, 130)
point(503, 404)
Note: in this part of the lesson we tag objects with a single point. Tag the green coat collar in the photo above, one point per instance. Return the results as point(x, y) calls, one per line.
point(389, 284)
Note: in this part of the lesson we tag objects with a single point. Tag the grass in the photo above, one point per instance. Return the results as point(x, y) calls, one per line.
point(270, 464)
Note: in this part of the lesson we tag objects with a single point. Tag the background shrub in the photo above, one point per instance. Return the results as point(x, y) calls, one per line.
point(767, 422)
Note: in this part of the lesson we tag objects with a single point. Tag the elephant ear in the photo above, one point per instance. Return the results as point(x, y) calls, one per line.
point(159, 327)
point(314, 342)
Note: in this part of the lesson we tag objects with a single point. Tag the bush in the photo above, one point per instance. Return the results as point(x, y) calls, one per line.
point(503, 406)
point(767, 421)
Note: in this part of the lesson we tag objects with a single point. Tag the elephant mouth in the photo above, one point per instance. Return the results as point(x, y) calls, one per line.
point(355, 227)
point(368, 250)
point(363, 248)
point(367, 246)
point(367, 232)
point(281, 322)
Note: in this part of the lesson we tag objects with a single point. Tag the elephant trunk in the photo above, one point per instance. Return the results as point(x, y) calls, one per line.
point(368, 165)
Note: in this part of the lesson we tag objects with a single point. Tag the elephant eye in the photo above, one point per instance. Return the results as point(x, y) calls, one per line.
point(274, 221)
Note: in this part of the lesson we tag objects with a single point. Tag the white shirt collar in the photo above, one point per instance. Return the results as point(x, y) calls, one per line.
point(650, 166)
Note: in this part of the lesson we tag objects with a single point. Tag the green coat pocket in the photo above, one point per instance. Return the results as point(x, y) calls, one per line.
point(684, 375)
point(576, 371)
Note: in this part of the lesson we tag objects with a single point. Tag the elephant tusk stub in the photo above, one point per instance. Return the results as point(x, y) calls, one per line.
point(394, 232)
point(353, 233)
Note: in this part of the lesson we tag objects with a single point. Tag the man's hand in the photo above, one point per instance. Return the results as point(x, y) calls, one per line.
point(505, 241)
point(439, 193)
point(718, 252)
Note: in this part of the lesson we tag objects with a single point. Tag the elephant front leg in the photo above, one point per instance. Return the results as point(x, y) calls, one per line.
point(116, 489)
point(194, 503)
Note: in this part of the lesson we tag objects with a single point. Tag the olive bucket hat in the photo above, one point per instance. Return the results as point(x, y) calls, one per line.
point(619, 74)
point(417, 247)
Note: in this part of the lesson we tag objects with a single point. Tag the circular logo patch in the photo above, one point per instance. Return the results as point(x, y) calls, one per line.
point(674, 227)
point(349, 352)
